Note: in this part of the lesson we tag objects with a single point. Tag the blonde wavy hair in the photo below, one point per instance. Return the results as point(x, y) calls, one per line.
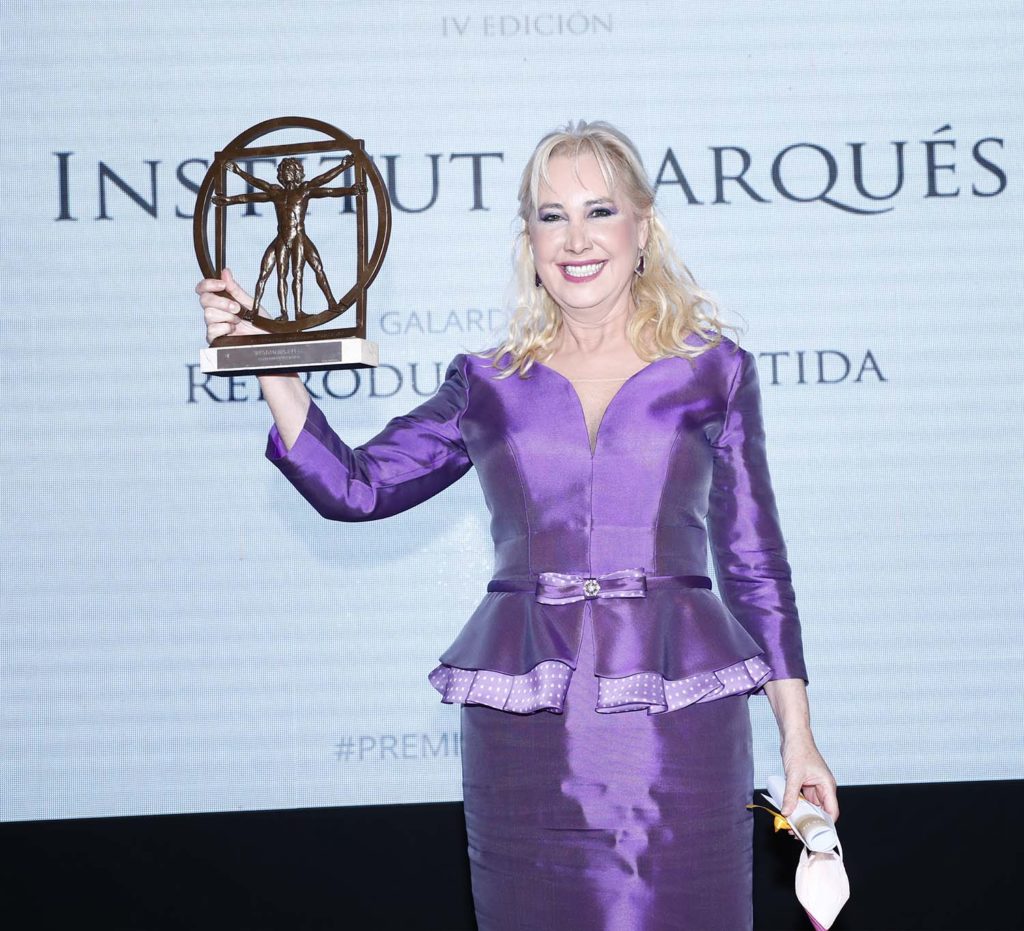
point(668, 304)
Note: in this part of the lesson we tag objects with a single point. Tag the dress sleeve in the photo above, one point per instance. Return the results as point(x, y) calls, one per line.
point(748, 549)
point(413, 458)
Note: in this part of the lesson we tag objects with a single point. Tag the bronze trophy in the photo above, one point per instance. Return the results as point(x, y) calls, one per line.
point(291, 344)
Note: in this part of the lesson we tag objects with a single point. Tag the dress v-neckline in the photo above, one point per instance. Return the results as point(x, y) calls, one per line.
point(604, 414)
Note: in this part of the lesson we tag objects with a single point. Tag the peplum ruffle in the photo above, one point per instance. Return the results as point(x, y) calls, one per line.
point(543, 688)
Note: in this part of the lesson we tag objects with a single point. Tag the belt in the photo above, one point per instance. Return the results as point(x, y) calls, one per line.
point(556, 588)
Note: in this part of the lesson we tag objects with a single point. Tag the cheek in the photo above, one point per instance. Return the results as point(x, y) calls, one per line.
point(618, 239)
point(625, 238)
point(542, 243)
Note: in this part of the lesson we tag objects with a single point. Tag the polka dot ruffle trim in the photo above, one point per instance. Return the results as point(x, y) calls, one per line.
point(543, 688)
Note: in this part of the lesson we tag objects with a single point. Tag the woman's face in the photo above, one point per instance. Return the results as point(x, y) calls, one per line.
point(585, 242)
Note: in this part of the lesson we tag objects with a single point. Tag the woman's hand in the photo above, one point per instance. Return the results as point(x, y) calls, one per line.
point(807, 774)
point(223, 300)
point(805, 770)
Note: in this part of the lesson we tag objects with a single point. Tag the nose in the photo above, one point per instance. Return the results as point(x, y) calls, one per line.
point(576, 238)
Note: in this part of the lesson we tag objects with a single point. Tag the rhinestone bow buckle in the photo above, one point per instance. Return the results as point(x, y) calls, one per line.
point(555, 588)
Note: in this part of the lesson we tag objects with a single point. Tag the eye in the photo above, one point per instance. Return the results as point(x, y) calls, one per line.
point(602, 212)
point(548, 217)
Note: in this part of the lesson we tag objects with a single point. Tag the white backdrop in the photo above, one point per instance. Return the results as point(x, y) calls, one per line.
point(181, 633)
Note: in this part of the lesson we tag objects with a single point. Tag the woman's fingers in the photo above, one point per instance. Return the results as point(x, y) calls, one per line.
point(219, 302)
point(235, 289)
point(206, 285)
point(223, 300)
point(807, 774)
point(821, 790)
point(225, 287)
point(215, 330)
point(245, 328)
point(792, 794)
point(220, 315)
point(222, 323)
point(212, 293)
point(827, 798)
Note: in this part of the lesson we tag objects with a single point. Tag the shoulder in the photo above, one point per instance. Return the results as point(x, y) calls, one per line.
point(721, 362)
point(720, 348)
point(465, 370)
point(479, 364)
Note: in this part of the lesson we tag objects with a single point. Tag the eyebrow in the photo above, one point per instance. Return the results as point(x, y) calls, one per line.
point(589, 203)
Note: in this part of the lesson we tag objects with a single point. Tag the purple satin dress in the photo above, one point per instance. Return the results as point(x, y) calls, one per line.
point(604, 686)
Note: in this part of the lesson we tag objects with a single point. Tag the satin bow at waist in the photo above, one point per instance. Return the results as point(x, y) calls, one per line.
point(556, 588)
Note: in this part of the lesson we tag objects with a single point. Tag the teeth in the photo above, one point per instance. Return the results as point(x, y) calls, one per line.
point(582, 271)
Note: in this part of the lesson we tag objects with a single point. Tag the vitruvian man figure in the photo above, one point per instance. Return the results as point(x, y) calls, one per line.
point(291, 248)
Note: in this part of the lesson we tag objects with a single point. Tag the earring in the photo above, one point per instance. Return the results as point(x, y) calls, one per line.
point(536, 280)
point(640, 266)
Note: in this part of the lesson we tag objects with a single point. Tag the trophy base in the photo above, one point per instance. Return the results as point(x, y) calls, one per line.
point(280, 358)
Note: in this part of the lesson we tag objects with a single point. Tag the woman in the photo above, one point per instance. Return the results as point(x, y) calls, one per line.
point(606, 739)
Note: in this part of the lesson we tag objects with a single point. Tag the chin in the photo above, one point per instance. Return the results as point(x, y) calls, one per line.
point(581, 297)
point(576, 301)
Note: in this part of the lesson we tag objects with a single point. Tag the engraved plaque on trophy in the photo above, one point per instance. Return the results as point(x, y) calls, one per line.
point(294, 341)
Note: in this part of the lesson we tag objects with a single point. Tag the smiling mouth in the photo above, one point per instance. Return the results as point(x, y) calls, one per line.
point(584, 272)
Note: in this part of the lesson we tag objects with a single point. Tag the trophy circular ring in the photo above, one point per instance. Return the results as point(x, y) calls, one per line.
point(366, 173)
